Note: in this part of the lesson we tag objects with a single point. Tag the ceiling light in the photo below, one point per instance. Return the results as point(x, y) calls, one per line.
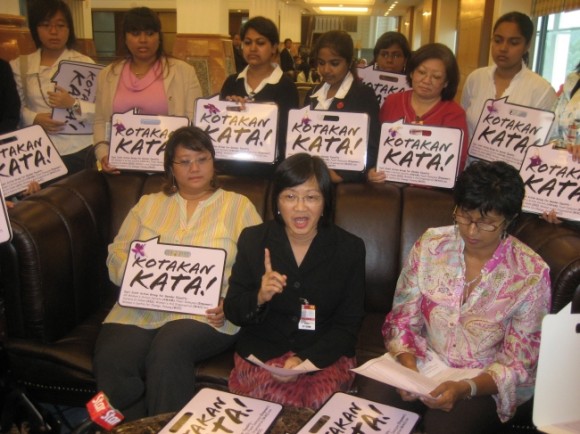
point(342, 9)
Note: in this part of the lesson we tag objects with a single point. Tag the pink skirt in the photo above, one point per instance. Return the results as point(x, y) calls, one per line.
point(309, 390)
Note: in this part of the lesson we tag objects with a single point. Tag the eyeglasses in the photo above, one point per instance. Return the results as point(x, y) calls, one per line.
point(467, 221)
point(293, 199)
point(186, 164)
point(57, 26)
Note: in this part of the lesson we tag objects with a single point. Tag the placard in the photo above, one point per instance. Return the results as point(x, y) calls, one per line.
point(80, 80)
point(5, 227)
point(28, 155)
point(552, 181)
point(344, 413)
point(138, 141)
point(420, 154)
point(172, 277)
point(215, 411)
point(339, 138)
point(505, 131)
point(383, 83)
point(247, 134)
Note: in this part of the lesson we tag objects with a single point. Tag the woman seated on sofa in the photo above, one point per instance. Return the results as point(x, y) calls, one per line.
point(475, 297)
point(144, 359)
point(433, 75)
point(299, 266)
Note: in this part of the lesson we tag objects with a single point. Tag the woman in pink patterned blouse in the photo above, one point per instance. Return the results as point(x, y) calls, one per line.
point(475, 297)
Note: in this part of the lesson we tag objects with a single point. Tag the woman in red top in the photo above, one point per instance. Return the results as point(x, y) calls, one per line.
point(433, 74)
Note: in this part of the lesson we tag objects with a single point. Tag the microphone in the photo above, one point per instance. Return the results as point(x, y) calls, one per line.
point(101, 413)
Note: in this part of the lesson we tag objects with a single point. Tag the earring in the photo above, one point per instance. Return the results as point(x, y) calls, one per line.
point(504, 234)
point(174, 186)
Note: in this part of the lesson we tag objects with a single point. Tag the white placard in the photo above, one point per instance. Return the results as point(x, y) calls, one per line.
point(383, 83)
point(552, 181)
point(505, 131)
point(420, 154)
point(242, 135)
point(344, 413)
point(138, 141)
point(171, 277)
point(5, 227)
point(339, 138)
point(215, 411)
point(80, 80)
point(28, 155)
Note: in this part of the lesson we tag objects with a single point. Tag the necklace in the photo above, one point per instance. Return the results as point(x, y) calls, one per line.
point(40, 88)
point(472, 281)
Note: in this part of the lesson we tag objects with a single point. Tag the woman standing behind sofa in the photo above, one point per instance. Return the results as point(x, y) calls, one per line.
point(342, 91)
point(509, 76)
point(147, 80)
point(261, 81)
point(144, 359)
point(51, 27)
point(433, 75)
point(298, 267)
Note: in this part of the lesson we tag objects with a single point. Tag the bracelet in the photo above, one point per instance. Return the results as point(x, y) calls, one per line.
point(76, 106)
point(472, 386)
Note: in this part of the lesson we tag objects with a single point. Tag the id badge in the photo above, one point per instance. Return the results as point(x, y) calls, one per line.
point(307, 317)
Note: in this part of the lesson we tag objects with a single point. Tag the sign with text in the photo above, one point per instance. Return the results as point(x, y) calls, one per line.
point(138, 141)
point(247, 134)
point(79, 79)
point(552, 181)
point(344, 413)
point(214, 411)
point(5, 227)
point(339, 138)
point(383, 83)
point(171, 277)
point(420, 154)
point(28, 155)
point(505, 131)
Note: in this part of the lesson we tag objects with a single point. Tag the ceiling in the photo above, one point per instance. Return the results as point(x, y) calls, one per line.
point(376, 7)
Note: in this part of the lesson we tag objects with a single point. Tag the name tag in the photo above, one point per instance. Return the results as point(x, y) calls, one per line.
point(307, 317)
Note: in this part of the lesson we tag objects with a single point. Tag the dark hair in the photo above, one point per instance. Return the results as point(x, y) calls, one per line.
point(577, 85)
point(296, 170)
point(42, 10)
point(142, 19)
point(525, 25)
point(192, 138)
point(341, 43)
point(443, 53)
point(490, 186)
point(264, 26)
point(389, 39)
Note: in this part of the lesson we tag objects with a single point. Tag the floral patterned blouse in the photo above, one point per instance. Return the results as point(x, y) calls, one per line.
point(497, 328)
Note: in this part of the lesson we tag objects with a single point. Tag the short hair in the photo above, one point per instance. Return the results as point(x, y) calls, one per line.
point(192, 138)
point(490, 186)
point(341, 43)
point(524, 23)
point(143, 19)
point(443, 53)
point(264, 26)
point(41, 10)
point(296, 170)
point(388, 39)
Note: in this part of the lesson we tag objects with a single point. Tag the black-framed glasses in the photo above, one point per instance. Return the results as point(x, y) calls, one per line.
point(467, 221)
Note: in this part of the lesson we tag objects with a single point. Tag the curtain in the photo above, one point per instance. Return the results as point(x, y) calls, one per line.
point(547, 7)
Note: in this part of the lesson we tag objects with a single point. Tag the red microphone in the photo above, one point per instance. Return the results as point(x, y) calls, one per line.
point(101, 413)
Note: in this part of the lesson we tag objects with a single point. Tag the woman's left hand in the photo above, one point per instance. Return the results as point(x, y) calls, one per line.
point(60, 98)
point(290, 363)
point(446, 395)
point(215, 315)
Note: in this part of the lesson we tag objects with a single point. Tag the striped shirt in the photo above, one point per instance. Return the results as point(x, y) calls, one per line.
point(216, 223)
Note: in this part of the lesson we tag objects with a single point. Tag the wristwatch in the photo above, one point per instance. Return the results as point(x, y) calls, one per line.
point(472, 386)
point(76, 106)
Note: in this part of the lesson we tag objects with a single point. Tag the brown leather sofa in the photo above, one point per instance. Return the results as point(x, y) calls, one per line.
point(57, 290)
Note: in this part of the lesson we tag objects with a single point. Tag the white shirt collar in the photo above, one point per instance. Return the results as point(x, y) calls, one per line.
point(322, 92)
point(274, 78)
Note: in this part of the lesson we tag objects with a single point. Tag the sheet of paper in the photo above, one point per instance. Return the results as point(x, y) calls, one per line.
point(433, 372)
point(302, 368)
point(562, 428)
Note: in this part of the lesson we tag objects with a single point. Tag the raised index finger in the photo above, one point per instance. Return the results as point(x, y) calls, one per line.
point(267, 263)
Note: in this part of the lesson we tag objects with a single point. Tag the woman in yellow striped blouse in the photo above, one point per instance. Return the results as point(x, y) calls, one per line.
point(144, 359)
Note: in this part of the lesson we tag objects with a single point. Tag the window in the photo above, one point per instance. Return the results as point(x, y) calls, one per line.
point(557, 46)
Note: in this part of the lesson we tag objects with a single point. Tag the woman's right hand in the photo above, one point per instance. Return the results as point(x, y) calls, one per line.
point(374, 176)
point(272, 282)
point(241, 100)
point(107, 168)
point(575, 151)
point(49, 125)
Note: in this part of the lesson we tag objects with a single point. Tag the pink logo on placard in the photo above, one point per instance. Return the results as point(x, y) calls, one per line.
point(212, 109)
point(139, 250)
